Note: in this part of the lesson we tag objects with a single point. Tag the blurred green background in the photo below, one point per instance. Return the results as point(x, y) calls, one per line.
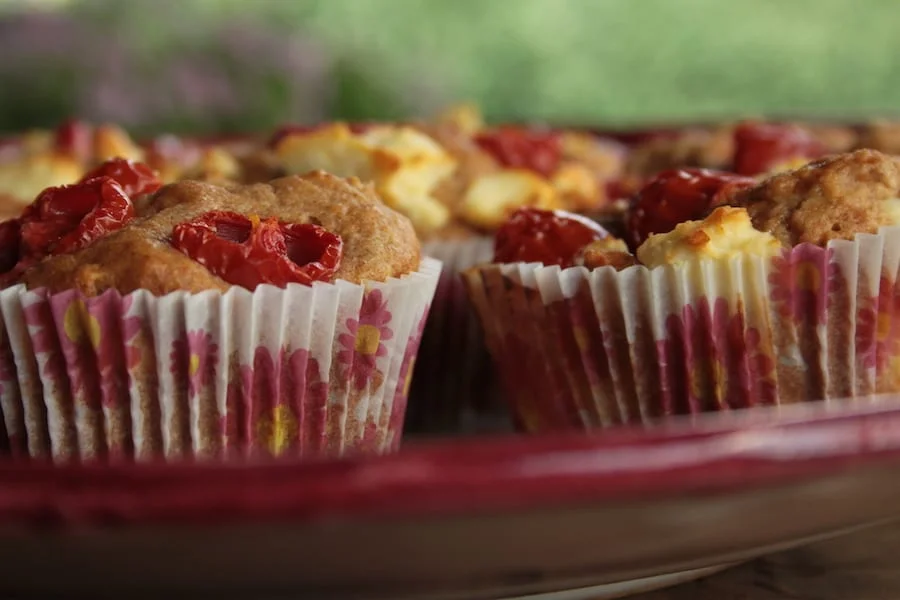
point(238, 65)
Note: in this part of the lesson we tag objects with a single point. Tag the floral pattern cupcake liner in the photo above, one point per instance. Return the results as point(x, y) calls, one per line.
point(304, 371)
point(454, 389)
point(586, 349)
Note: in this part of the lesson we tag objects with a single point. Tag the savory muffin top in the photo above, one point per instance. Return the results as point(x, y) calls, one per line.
point(404, 164)
point(726, 232)
point(373, 242)
point(455, 175)
point(833, 198)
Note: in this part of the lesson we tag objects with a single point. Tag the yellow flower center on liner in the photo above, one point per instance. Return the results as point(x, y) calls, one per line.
point(409, 376)
point(254, 222)
point(708, 380)
point(368, 337)
point(887, 374)
point(808, 277)
point(883, 325)
point(581, 338)
point(78, 323)
point(193, 365)
point(278, 431)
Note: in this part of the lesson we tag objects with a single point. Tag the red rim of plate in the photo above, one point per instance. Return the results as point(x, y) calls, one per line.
point(718, 453)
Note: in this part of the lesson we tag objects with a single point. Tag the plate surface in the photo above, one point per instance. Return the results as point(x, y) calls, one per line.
point(490, 518)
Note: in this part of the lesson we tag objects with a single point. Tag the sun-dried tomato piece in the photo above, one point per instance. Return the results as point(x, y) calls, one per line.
point(68, 218)
point(552, 237)
point(675, 196)
point(75, 138)
point(520, 148)
point(762, 147)
point(250, 252)
point(136, 178)
point(62, 219)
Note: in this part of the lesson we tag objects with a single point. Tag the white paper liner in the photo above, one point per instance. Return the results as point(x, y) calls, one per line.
point(302, 371)
point(580, 348)
point(454, 389)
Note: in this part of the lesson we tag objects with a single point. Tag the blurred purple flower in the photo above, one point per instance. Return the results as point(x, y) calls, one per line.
point(38, 36)
point(241, 74)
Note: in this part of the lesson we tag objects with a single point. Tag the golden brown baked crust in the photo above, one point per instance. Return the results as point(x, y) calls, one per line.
point(833, 198)
point(606, 252)
point(378, 242)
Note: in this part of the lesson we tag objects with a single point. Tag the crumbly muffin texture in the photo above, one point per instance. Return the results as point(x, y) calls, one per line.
point(378, 242)
point(831, 199)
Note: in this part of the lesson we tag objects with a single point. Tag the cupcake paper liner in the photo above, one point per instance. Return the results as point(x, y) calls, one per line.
point(586, 349)
point(454, 388)
point(306, 371)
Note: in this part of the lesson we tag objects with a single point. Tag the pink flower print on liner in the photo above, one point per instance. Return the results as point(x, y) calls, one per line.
point(80, 341)
point(362, 344)
point(194, 356)
point(800, 281)
point(407, 368)
point(131, 327)
point(276, 406)
point(84, 352)
point(114, 346)
point(234, 423)
point(539, 403)
point(711, 361)
point(44, 342)
point(761, 365)
point(595, 351)
point(878, 329)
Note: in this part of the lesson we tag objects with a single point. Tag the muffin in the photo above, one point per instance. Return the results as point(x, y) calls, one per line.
point(831, 199)
point(458, 179)
point(751, 148)
point(203, 321)
point(784, 292)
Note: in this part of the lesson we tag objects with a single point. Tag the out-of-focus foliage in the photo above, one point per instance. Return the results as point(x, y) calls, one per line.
point(246, 63)
point(592, 60)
